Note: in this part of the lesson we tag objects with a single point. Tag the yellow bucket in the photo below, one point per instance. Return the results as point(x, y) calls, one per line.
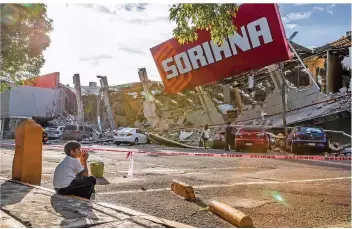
point(97, 169)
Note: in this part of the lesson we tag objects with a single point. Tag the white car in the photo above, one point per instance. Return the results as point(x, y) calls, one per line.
point(54, 132)
point(132, 136)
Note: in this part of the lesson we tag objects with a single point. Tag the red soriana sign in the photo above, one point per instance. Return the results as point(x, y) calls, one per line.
point(260, 40)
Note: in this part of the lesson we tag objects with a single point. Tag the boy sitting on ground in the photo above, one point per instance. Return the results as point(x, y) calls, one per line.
point(71, 174)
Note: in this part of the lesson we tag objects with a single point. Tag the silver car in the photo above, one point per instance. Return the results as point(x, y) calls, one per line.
point(54, 132)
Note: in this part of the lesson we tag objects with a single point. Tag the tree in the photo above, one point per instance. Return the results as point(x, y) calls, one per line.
point(24, 36)
point(216, 18)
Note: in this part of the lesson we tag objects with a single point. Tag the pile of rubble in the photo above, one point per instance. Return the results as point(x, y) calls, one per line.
point(63, 120)
point(190, 136)
point(96, 137)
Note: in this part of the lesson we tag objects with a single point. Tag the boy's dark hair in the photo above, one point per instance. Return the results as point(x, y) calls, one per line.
point(71, 145)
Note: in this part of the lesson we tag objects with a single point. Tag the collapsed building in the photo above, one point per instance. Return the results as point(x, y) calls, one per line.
point(251, 98)
point(41, 99)
point(234, 99)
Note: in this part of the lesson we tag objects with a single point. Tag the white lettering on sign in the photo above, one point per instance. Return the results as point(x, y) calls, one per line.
point(194, 58)
point(263, 31)
point(208, 53)
point(241, 42)
point(185, 66)
point(171, 68)
point(223, 48)
point(196, 54)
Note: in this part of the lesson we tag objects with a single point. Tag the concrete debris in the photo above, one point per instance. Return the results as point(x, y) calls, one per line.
point(63, 120)
point(193, 139)
point(224, 108)
point(184, 135)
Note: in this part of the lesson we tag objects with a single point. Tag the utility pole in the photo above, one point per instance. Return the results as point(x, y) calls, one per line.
point(77, 83)
point(104, 87)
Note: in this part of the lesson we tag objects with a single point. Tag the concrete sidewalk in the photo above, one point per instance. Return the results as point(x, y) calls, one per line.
point(24, 205)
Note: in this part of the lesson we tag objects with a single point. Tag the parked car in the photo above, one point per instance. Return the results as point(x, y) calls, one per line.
point(254, 138)
point(311, 139)
point(54, 132)
point(76, 132)
point(132, 136)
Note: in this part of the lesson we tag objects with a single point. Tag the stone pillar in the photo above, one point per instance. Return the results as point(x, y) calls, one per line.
point(27, 162)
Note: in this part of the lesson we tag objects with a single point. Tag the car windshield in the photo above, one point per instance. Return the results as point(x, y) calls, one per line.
point(307, 130)
point(252, 129)
point(52, 127)
point(126, 130)
point(71, 127)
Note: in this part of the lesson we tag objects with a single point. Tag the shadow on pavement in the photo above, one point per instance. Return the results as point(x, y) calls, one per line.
point(12, 193)
point(72, 210)
point(102, 181)
point(199, 202)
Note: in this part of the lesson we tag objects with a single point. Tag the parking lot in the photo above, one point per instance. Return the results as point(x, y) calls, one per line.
point(275, 193)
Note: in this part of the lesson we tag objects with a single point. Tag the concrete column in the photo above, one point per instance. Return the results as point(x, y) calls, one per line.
point(77, 83)
point(226, 92)
point(275, 77)
point(238, 97)
point(334, 73)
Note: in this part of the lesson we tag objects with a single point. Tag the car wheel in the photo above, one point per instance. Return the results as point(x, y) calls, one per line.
point(117, 143)
point(348, 154)
point(83, 137)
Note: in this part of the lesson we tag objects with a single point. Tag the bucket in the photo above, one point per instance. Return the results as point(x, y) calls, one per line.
point(97, 169)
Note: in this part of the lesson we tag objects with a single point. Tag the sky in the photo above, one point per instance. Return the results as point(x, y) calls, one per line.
point(115, 40)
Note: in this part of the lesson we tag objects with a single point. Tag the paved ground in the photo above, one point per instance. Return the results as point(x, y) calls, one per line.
point(275, 193)
point(38, 207)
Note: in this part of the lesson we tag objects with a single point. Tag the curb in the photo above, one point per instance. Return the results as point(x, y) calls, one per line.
point(8, 221)
point(231, 215)
point(127, 211)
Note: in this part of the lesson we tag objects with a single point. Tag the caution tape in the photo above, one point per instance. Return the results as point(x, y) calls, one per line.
point(223, 155)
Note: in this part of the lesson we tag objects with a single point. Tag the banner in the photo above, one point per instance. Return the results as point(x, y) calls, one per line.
point(260, 40)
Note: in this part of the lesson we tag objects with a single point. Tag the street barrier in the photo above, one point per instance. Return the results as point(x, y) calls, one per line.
point(194, 154)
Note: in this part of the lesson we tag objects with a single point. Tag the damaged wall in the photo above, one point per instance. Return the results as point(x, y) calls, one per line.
point(30, 101)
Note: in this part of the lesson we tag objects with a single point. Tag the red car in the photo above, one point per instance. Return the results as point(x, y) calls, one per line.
point(252, 137)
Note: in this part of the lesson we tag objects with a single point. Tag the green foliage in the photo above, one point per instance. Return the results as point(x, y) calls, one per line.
point(24, 36)
point(217, 18)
